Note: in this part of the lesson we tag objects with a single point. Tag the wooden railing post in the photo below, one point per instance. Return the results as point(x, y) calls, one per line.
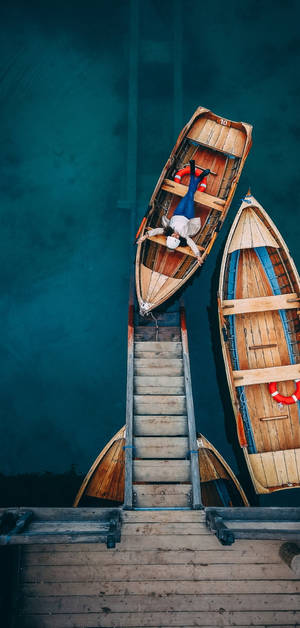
point(129, 406)
point(193, 447)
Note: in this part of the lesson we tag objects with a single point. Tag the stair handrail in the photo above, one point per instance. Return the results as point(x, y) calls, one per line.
point(128, 502)
point(193, 446)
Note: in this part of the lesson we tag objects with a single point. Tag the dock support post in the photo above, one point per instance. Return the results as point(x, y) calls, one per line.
point(193, 447)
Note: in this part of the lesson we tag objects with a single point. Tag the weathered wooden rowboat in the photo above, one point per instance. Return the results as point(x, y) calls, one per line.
point(259, 321)
point(215, 143)
point(105, 479)
point(219, 485)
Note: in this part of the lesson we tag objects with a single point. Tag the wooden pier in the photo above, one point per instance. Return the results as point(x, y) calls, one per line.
point(168, 570)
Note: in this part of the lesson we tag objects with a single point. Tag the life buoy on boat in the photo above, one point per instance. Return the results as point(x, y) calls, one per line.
point(281, 398)
point(187, 170)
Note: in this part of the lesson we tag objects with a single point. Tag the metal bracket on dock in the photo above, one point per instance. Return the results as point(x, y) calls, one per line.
point(60, 525)
point(216, 525)
point(271, 523)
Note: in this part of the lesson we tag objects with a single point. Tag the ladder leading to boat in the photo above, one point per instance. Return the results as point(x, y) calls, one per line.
point(161, 454)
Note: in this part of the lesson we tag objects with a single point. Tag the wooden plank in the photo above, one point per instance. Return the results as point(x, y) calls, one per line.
point(160, 447)
point(153, 355)
point(143, 333)
point(186, 250)
point(248, 377)
point(162, 495)
point(83, 573)
point(129, 402)
point(158, 366)
point(158, 404)
point(251, 232)
point(147, 385)
point(260, 304)
point(154, 619)
point(168, 603)
point(160, 425)
point(159, 380)
point(153, 557)
point(262, 525)
point(293, 470)
point(200, 197)
point(162, 587)
point(161, 471)
point(193, 445)
point(172, 516)
point(174, 542)
point(258, 513)
point(159, 390)
point(170, 347)
point(70, 515)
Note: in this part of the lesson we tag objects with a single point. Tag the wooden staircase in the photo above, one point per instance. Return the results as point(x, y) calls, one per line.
point(161, 448)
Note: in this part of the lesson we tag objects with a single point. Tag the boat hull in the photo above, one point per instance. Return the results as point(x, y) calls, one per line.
point(259, 324)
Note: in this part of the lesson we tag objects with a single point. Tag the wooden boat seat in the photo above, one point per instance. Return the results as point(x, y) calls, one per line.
point(261, 304)
point(276, 468)
point(248, 377)
point(200, 197)
point(161, 239)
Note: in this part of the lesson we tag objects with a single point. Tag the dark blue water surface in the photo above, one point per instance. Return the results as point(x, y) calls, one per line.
point(65, 229)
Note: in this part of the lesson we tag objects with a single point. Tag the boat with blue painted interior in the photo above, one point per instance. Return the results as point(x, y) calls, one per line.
point(259, 294)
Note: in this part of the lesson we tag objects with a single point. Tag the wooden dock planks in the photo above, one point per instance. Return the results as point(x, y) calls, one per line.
point(167, 571)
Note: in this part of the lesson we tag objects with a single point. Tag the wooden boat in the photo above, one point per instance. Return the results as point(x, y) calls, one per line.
point(213, 142)
point(106, 477)
point(259, 322)
point(105, 480)
point(219, 485)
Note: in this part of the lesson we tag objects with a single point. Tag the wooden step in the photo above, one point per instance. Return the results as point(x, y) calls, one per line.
point(158, 385)
point(159, 404)
point(161, 471)
point(162, 495)
point(160, 366)
point(171, 334)
point(160, 447)
point(168, 425)
point(157, 349)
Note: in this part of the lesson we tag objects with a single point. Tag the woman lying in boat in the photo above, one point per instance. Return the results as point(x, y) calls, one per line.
point(183, 223)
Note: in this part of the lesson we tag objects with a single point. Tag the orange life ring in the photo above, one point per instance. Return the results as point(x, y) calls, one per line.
point(281, 398)
point(187, 170)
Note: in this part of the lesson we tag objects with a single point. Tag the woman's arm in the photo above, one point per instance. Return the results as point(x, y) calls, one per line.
point(193, 246)
point(152, 232)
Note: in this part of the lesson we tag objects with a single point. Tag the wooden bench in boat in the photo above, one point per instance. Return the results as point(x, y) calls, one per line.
point(276, 468)
point(248, 377)
point(261, 304)
point(161, 239)
point(200, 197)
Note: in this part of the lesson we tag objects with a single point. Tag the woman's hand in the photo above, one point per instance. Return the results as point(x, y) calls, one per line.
point(142, 238)
point(200, 259)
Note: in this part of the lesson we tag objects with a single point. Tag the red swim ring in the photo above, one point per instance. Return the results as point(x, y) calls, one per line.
point(187, 170)
point(281, 398)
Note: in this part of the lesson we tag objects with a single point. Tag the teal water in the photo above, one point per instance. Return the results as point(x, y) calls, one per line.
point(66, 241)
